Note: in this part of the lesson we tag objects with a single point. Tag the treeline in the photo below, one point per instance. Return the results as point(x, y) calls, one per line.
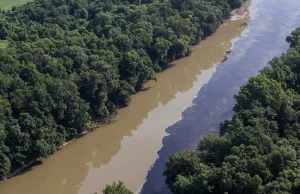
point(258, 150)
point(70, 62)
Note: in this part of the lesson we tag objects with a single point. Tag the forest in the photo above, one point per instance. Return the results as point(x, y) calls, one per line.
point(257, 151)
point(65, 64)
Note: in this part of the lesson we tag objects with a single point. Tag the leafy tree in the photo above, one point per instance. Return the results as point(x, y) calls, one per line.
point(116, 188)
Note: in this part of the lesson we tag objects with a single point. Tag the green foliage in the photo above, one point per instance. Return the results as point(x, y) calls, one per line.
point(258, 150)
point(3, 44)
point(116, 188)
point(71, 62)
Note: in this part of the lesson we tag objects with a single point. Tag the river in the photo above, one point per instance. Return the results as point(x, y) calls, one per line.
point(158, 118)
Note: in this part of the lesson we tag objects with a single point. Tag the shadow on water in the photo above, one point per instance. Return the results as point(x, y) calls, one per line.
point(263, 39)
point(168, 66)
point(28, 169)
point(145, 89)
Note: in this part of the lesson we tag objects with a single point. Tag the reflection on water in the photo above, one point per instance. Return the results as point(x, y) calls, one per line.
point(264, 38)
point(125, 150)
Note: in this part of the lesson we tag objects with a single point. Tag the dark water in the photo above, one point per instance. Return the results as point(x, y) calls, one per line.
point(264, 38)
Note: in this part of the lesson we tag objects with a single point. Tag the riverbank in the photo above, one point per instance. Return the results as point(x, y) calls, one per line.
point(240, 13)
point(96, 125)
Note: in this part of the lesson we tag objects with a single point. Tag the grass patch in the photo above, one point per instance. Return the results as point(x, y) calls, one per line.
point(3, 44)
point(8, 4)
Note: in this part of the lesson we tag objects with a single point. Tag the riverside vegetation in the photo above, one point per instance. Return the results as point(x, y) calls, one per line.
point(67, 63)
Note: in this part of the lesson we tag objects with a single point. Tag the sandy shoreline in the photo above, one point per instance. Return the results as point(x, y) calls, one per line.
point(240, 13)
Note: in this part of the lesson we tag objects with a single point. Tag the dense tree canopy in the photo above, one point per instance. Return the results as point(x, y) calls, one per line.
point(69, 62)
point(258, 150)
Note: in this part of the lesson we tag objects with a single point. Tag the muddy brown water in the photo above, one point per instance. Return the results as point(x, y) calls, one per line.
point(126, 149)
